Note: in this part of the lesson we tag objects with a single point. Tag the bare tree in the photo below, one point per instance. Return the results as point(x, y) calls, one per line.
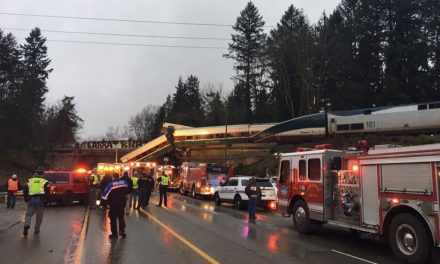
point(142, 124)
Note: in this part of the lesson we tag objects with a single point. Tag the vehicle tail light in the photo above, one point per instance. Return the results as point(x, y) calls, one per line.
point(273, 205)
point(52, 188)
point(355, 167)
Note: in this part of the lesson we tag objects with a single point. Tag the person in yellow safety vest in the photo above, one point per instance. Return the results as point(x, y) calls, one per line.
point(35, 192)
point(12, 185)
point(134, 195)
point(94, 187)
point(163, 188)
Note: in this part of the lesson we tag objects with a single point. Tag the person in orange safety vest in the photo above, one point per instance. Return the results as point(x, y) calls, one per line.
point(13, 186)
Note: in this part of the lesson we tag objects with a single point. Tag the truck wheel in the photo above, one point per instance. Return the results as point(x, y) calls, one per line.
point(301, 217)
point(193, 192)
point(67, 199)
point(217, 200)
point(238, 202)
point(409, 239)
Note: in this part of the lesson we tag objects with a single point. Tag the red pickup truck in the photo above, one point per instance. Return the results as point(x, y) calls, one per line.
point(67, 186)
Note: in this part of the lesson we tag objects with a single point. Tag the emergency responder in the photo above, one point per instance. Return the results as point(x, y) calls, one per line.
point(163, 188)
point(130, 189)
point(35, 192)
point(150, 187)
point(94, 188)
point(253, 191)
point(134, 195)
point(102, 185)
point(115, 194)
point(146, 184)
point(12, 185)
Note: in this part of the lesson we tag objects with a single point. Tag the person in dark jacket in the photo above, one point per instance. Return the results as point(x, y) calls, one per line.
point(13, 186)
point(102, 185)
point(126, 178)
point(115, 194)
point(142, 182)
point(253, 191)
point(146, 185)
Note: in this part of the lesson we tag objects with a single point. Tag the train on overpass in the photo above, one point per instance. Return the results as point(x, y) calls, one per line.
point(402, 119)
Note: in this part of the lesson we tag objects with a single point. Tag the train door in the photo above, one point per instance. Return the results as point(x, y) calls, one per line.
point(285, 185)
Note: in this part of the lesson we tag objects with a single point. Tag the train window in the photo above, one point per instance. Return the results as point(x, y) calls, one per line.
point(314, 169)
point(189, 137)
point(357, 126)
point(367, 112)
point(343, 127)
point(302, 170)
point(285, 171)
point(422, 107)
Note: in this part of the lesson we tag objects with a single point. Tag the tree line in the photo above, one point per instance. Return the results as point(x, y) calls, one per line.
point(25, 118)
point(366, 53)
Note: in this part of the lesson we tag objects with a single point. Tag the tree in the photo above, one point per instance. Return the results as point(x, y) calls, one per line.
point(162, 114)
point(31, 96)
point(290, 52)
point(66, 122)
point(406, 52)
point(142, 124)
point(9, 85)
point(187, 103)
point(247, 49)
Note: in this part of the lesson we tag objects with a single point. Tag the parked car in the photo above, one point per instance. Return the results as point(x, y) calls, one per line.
point(233, 191)
point(67, 186)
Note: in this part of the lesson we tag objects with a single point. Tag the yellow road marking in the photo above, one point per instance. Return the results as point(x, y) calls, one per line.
point(182, 239)
point(82, 238)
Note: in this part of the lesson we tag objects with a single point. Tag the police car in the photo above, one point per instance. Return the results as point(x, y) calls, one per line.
point(233, 191)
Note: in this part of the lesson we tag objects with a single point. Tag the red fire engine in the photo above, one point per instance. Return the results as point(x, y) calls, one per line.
point(390, 191)
point(202, 178)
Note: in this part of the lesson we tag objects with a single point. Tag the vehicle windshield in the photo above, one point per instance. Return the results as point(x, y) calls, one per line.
point(217, 169)
point(56, 177)
point(264, 183)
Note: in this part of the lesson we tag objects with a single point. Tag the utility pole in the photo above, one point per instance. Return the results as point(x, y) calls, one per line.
point(226, 132)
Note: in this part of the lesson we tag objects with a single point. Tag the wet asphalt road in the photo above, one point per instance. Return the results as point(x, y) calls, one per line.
point(56, 242)
point(221, 233)
point(225, 235)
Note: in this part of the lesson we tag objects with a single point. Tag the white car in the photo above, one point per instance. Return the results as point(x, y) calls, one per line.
point(233, 191)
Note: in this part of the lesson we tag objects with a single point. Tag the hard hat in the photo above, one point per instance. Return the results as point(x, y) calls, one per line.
point(14, 176)
point(95, 169)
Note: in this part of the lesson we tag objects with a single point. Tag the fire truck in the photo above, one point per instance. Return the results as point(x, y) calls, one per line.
point(172, 172)
point(138, 168)
point(388, 191)
point(202, 178)
point(108, 169)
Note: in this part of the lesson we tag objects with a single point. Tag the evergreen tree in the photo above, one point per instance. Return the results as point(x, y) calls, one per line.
point(162, 114)
point(33, 89)
point(215, 109)
point(406, 53)
point(290, 51)
point(9, 85)
point(64, 121)
point(247, 49)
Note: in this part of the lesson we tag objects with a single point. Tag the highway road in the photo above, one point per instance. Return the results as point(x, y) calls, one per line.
point(187, 231)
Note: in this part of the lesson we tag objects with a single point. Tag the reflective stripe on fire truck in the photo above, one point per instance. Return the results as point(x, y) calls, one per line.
point(283, 202)
point(315, 207)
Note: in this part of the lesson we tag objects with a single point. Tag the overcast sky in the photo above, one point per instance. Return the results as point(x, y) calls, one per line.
point(111, 83)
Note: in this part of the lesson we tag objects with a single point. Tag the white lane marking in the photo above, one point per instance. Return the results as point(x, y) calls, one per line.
point(351, 256)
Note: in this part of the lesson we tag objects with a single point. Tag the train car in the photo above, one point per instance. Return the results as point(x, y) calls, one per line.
point(404, 119)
